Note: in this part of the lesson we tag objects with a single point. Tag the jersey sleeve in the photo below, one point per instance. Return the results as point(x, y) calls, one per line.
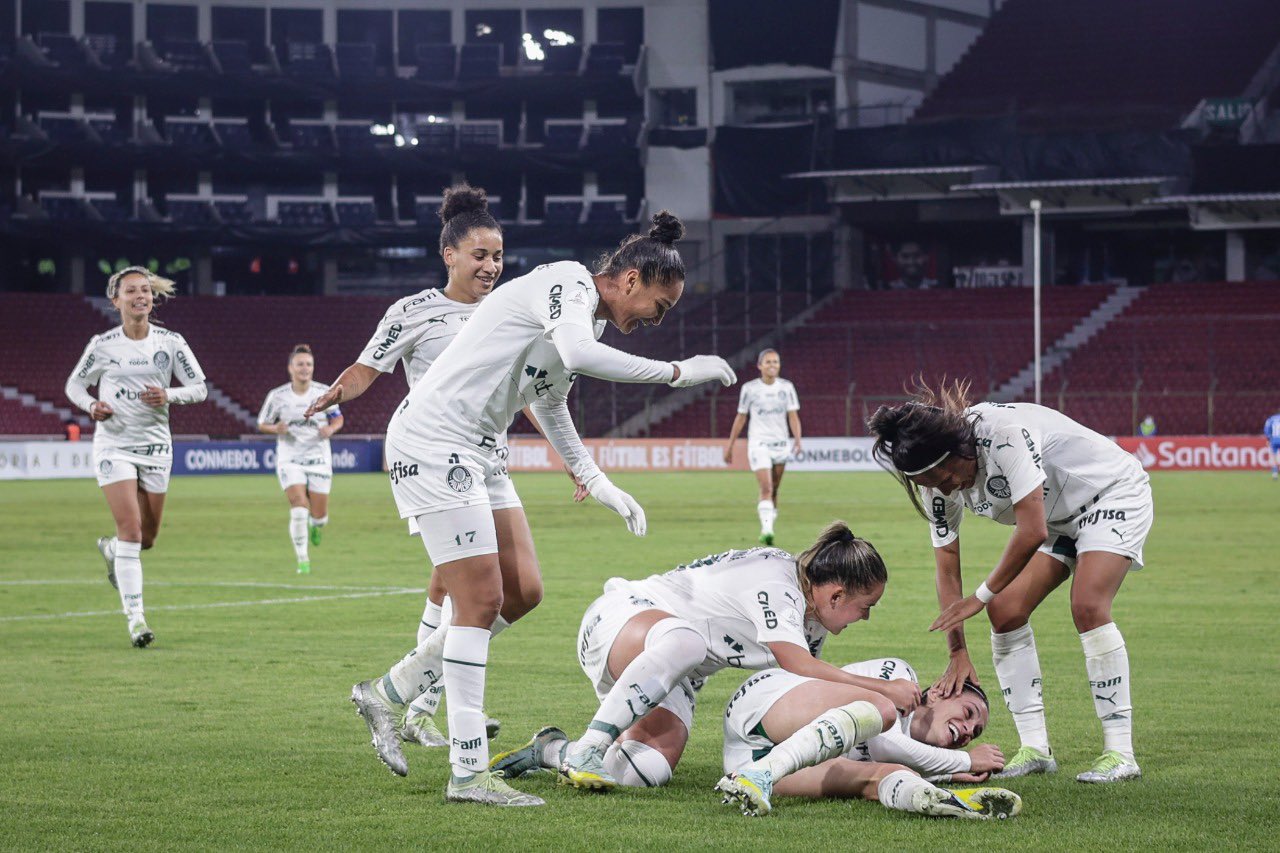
point(793, 399)
point(89, 367)
point(1015, 451)
point(569, 299)
point(269, 413)
point(945, 514)
point(775, 608)
point(390, 342)
point(744, 400)
point(186, 368)
point(897, 747)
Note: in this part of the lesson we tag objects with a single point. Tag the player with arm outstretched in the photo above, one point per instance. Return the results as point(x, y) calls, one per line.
point(133, 366)
point(648, 645)
point(1080, 508)
point(769, 406)
point(524, 345)
point(304, 460)
point(781, 736)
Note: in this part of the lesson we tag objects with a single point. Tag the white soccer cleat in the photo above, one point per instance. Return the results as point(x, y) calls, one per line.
point(1027, 761)
point(750, 790)
point(139, 634)
point(969, 803)
point(104, 548)
point(1111, 766)
point(583, 768)
point(422, 730)
point(381, 718)
point(488, 789)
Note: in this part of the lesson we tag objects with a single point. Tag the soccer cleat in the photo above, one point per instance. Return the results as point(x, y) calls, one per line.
point(140, 634)
point(104, 544)
point(515, 763)
point(315, 533)
point(422, 730)
point(584, 768)
point(304, 567)
point(488, 789)
point(750, 789)
point(766, 539)
point(380, 716)
point(970, 803)
point(1111, 766)
point(1027, 761)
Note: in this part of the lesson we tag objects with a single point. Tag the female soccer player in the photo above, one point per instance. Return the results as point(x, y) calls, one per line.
point(772, 405)
point(1271, 431)
point(1080, 507)
point(304, 462)
point(647, 646)
point(132, 365)
point(524, 345)
point(777, 740)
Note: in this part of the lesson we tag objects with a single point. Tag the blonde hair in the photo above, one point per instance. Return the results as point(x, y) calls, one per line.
point(160, 286)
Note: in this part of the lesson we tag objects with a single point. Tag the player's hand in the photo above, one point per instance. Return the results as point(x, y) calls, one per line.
point(959, 670)
point(728, 455)
point(619, 501)
point(154, 396)
point(904, 693)
point(972, 778)
point(580, 491)
point(332, 397)
point(796, 447)
point(325, 431)
point(703, 368)
point(985, 759)
point(957, 613)
point(280, 428)
point(100, 411)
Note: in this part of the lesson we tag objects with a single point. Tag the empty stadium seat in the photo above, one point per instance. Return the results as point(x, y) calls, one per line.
point(607, 210)
point(355, 213)
point(479, 134)
point(479, 61)
point(309, 60)
point(190, 211)
point(314, 213)
point(311, 136)
point(62, 49)
point(436, 61)
point(562, 59)
point(356, 60)
point(233, 57)
point(440, 137)
point(563, 210)
point(235, 135)
point(563, 134)
point(184, 55)
point(190, 133)
point(605, 59)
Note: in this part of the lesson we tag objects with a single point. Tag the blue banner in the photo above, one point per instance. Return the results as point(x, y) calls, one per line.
point(259, 457)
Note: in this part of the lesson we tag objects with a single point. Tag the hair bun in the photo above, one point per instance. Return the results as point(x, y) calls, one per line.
point(667, 227)
point(884, 423)
point(301, 349)
point(463, 198)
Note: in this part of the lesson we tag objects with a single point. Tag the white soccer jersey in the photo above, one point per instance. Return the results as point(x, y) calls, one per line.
point(767, 406)
point(122, 368)
point(302, 444)
point(1021, 447)
point(740, 601)
point(502, 360)
point(415, 330)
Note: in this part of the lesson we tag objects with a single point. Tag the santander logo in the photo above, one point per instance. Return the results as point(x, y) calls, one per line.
point(1145, 457)
point(1200, 452)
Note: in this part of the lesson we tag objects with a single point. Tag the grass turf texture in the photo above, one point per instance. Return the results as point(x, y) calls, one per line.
point(234, 729)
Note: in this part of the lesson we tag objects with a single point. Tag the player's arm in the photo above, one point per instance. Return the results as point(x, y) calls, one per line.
point(734, 431)
point(269, 419)
point(187, 371)
point(950, 589)
point(580, 492)
point(904, 693)
point(84, 375)
point(334, 426)
point(351, 383)
point(897, 747)
point(793, 419)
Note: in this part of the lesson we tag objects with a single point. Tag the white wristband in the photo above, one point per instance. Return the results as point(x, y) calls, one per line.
point(983, 593)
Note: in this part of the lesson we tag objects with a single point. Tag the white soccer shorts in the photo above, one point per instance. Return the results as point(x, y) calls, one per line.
point(1118, 522)
point(115, 466)
point(316, 476)
point(766, 454)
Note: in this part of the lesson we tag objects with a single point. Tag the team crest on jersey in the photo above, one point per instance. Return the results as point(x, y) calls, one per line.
point(998, 486)
point(161, 360)
point(459, 478)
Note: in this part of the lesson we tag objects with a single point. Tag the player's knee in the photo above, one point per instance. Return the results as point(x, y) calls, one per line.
point(682, 646)
point(888, 713)
point(129, 532)
point(148, 540)
point(638, 765)
point(480, 608)
point(1088, 615)
point(1006, 616)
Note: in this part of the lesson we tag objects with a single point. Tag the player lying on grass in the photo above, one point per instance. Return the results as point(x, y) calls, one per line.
point(648, 645)
point(794, 736)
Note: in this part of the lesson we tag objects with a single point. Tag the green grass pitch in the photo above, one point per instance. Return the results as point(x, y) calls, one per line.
point(234, 729)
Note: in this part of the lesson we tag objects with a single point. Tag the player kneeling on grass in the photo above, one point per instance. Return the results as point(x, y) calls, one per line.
point(647, 646)
point(797, 736)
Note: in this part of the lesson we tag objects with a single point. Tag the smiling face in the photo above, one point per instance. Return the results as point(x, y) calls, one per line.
point(475, 265)
point(950, 723)
point(301, 367)
point(134, 299)
point(954, 472)
point(770, 366)
point(634, 304)
point(836, 608)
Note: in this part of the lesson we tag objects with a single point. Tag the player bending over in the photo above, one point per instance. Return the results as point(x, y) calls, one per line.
point(793, 736)
point(648, 645)
point(304, 460)
point(772, 406)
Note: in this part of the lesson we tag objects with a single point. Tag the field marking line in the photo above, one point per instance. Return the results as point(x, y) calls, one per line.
point(216, 604)
point(239, 584)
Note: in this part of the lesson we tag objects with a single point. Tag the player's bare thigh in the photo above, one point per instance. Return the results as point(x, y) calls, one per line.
point(807, 701)
point(1012, 607)
point(518, 560)
point(837, 779)
point(475, 585)
point(124, 501)
point(629, 643)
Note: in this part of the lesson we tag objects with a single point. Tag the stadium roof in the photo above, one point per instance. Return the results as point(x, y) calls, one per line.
point(910, 184)
point(1081, 195)
point(1222, 211)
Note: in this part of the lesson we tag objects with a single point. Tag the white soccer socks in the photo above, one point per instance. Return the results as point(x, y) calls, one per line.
point(1107, 661)
point(768, 514)
point(637, 765)
point(1018, 669)
point(298, 531)
point(417, 671)
point(432, 617)
point(898, 791)
point(466, 654)
point(128, 566)
point(318, 522)
point(672, 649)
point(831, 734)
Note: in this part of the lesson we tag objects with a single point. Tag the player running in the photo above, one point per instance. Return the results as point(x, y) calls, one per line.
point(772, 406)
point(784, 734)
point(304, 461)
point(132, 365)
point(1271, 429)
point(524, 345)
point(1080, 507)
point(647, 646)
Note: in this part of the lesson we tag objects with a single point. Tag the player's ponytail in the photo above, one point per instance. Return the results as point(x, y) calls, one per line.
point(912, 437)
point(654, 255)
point(465, 209)
point(841, 557)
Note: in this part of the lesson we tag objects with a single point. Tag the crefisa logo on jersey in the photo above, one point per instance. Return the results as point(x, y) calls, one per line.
point(161, 360)
point(459, 478)
point(400, 471)
point(998, 486)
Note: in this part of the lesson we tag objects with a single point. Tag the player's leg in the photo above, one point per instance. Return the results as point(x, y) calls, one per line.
point(419, 724)
point(765, 509)
point(779, 468)
point(1098, 577)
point(123, 501)
point(295, 492)
point(1016, 662)
point(896, 787)
point(1275, 462)
point(650, 656)
point(318, 485)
